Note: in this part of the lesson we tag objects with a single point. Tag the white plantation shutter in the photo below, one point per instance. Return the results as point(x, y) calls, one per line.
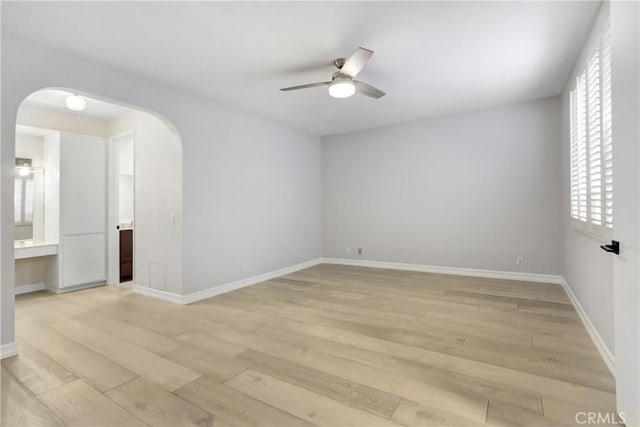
point(23, 200)
point(574, 153)
point(607, 140)
point(591, 143)
point(17, 201)
point(27, 214)
point(581, 107)
point(594, 119)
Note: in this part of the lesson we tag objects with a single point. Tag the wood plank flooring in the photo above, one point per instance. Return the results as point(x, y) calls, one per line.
point(329, 346)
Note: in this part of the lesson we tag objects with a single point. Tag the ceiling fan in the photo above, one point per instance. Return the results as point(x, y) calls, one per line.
point(342, 84)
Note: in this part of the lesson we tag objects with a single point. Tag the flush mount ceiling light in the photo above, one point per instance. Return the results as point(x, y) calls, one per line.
point(75, 103)
point(342, 88)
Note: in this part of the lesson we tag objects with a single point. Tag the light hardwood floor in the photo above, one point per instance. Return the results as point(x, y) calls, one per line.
point(330, 345)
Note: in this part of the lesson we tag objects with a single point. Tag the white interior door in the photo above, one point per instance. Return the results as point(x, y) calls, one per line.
point(626, 133)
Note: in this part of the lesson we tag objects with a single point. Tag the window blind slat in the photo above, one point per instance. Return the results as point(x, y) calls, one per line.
point(595, 138)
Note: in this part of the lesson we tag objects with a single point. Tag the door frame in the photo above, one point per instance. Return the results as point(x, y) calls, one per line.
point(113, 220)
point(626, 266)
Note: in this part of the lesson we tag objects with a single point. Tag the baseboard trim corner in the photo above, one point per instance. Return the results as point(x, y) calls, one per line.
point(31, 287)
point(242, 283)
point(8, 350)
point(158, 294)
point(602, 348)
point(456, 271)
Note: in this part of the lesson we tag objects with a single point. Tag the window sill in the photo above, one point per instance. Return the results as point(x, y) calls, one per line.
point(599, 233)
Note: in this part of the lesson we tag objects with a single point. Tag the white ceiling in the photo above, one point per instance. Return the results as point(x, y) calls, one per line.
point(431, 58)
point(51, 99)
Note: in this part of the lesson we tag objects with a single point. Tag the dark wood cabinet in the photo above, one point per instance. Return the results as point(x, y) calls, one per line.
point(126, 255)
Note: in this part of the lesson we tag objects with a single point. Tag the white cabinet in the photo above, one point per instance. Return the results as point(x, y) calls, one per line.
point(83, 184)
point(84, 259)
point(81, 180)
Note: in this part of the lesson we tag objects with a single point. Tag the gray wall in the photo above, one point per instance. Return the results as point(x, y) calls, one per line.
point(587, 269)
point(252, 201)
point(472, 190)
point(158, 171)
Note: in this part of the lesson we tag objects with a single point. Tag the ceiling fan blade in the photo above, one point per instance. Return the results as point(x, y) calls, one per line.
point(368, 90)
point(306, 86)
point(356, 62)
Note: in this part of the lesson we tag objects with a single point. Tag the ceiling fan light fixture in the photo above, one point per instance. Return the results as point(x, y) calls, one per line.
point(342, 84)
point(342, 89)
point(75, 103)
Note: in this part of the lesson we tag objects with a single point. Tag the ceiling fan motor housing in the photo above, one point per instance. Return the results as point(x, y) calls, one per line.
point(339, 76)
point(339, 62)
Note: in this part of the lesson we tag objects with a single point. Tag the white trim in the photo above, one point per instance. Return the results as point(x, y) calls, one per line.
point(224, 288)
point(242, 283)
point(8, 350)
point(31, 287)
point(113, 221)
point(602, 348)
point(158, 294)
point(77, 287)
point(457, 271)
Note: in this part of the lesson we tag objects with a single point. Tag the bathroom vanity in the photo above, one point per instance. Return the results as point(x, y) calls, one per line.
point(36, 265)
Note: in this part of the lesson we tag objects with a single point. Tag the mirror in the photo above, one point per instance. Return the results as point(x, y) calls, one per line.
point(29, 187)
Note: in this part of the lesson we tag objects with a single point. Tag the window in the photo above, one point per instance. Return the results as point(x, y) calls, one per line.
point(591, 143)
point(23, 202)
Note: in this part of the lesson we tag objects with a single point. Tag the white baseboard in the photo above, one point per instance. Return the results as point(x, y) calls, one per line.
point(228, 287)
point(606, 355)
point(490, 274)
point(232, 286)
point(8, 350)
point(222, 289)
point(158, 294)
point(77, 287)
point(31, 287)
point(457, 271)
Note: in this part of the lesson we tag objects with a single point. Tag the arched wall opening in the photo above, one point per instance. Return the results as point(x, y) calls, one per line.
point(83, 234)
point(251, 191)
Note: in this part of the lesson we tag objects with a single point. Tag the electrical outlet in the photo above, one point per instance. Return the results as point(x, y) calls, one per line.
point(359, 251)
point(520, 260)
point(347, 250)
point(244, 266)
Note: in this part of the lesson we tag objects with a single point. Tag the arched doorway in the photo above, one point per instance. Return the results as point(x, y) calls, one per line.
point(70, 239)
